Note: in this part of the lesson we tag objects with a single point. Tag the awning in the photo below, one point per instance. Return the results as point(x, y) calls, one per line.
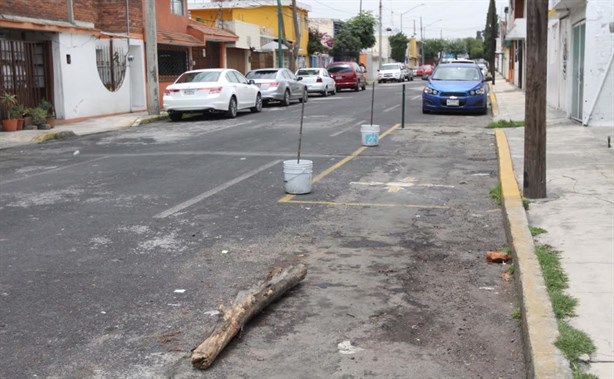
point(213, 34)
point(178, 39)
point(273, 46)
point(518, 30)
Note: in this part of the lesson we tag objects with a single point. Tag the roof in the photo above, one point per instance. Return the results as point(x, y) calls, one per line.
point(213, 34)
point(178, 39)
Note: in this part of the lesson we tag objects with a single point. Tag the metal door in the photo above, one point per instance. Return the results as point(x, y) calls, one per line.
point(577, 82)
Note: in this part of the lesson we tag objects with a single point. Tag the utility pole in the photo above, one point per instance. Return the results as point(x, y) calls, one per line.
point(280, 57)
point(421, 44)
point(151, 49)
point(360, 6)
point(534, 178)
point(379, 60)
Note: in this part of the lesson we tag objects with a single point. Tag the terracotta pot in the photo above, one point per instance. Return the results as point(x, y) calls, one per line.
point(9, 125)
point(20, 123)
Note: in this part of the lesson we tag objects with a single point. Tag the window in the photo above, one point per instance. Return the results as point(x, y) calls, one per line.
point(172, 62)
point(177, 7)
point(111, 63)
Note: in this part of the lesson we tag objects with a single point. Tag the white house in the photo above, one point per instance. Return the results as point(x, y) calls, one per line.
point(580, 54)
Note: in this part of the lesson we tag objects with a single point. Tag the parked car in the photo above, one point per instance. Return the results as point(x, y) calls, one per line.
point(394, 71)
point(347, 75)
point(484, 68)
point(317, 80)
point(278, 84)
point(427, 70)
point(456, 87)
point(212, 90)
point(419, 71)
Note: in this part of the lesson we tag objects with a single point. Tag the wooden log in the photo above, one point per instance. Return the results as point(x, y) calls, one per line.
point(247, 304)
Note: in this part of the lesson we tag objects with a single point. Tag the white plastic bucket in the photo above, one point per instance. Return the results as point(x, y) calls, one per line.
point(370, 135)
point(297, 176)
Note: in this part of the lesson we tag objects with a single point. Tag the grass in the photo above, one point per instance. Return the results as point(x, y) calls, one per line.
point(505, 124)
point(535, 231)
point(572, 342)
point(517, 314)
point(495, 194)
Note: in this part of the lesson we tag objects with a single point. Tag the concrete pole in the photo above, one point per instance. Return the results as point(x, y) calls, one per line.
point(421, 44)
point(71, 11)
point(151, 51)
point(380, 36)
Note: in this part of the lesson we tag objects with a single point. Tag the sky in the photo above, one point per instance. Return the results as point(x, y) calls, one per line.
point(448, 19)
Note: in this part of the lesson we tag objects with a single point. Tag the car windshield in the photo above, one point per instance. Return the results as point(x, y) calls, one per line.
point(308, 72)
point(199, 77)
point(456, 73)
point(391, 67)
point(267, 74)
point(339, 69)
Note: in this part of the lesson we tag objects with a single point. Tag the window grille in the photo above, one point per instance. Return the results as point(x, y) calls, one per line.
point(172, 63)
point(111, 63)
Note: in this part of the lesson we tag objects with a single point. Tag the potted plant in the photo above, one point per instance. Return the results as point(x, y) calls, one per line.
point(19, 112)
point(8, 101)
point(48, 107)
point(39, 117)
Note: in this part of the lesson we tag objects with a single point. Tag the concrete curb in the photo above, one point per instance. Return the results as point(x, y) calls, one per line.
point(540, 328)
point(494, 106)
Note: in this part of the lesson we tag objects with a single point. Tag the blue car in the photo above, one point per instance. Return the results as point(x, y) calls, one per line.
point(457, 87)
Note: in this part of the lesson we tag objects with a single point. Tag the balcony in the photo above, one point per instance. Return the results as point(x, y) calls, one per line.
point(563, 5)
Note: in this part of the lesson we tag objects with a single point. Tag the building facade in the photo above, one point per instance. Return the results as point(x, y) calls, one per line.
point(256, 25)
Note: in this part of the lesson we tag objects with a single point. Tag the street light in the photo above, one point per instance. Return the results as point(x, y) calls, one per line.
point(403, 13)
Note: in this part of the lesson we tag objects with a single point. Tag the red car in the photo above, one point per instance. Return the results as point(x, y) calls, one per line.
point(347, 75)
point(418, 71)
point(427, 69)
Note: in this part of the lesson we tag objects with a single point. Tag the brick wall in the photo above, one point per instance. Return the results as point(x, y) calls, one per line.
point(106, 15)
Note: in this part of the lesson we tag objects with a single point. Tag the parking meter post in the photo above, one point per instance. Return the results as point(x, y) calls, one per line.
point(372, 101)
point(403, 108)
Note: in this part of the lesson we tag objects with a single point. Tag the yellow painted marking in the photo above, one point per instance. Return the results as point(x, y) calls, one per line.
point(345, 160)
point(386, 205)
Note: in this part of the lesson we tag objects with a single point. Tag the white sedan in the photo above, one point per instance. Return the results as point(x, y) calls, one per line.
point(213, 90)
point(317, 80)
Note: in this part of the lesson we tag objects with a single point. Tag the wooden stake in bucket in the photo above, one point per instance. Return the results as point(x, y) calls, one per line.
point(297, 174)
point(370, 133)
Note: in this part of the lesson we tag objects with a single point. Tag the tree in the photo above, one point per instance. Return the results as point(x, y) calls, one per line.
point(315, 45)
point(346, 45)
point(490, 35)
point(398, 46)
point(356, 34)
point(475, 48)
point(456, 47)
point(296, 46)
point(432, 47)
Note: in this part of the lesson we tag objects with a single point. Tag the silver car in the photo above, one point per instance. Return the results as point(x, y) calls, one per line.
point(317, 80)
point(278, 84)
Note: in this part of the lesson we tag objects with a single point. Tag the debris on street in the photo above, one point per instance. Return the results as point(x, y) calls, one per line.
point(498, 257)
point(247, 304)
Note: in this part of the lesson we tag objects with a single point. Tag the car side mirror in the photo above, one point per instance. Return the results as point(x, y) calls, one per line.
point(251, 81)
point(299, 78)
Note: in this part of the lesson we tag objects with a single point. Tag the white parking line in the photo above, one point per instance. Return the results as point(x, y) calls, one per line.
point(348, 128)
point(416, 97)
point(392, 108)
point(213, 191)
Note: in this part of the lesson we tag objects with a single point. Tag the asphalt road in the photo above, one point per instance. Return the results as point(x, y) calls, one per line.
point(116, 249)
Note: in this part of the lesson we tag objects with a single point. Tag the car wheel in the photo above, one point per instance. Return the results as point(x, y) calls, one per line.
point(357, 88)
point(175, 116)
point(334, 91)
point(325, 92)
point(286, 101)
point(411, 79)
point(232, 108)
point(364, 86)
point(258, 107)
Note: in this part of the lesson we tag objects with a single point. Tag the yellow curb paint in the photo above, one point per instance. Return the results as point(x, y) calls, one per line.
point(45, 137)
point(334, 167)
point(384, 205)
point(540, 329)
point(493, 102)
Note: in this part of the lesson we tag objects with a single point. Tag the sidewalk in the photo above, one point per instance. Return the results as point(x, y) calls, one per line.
point(578, 215)
point(79, 128)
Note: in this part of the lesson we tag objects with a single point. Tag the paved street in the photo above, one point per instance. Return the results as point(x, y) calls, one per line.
point(117, 248)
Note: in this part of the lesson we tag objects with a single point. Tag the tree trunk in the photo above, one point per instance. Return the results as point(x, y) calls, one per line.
point(247, 304)
point(297, 33)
